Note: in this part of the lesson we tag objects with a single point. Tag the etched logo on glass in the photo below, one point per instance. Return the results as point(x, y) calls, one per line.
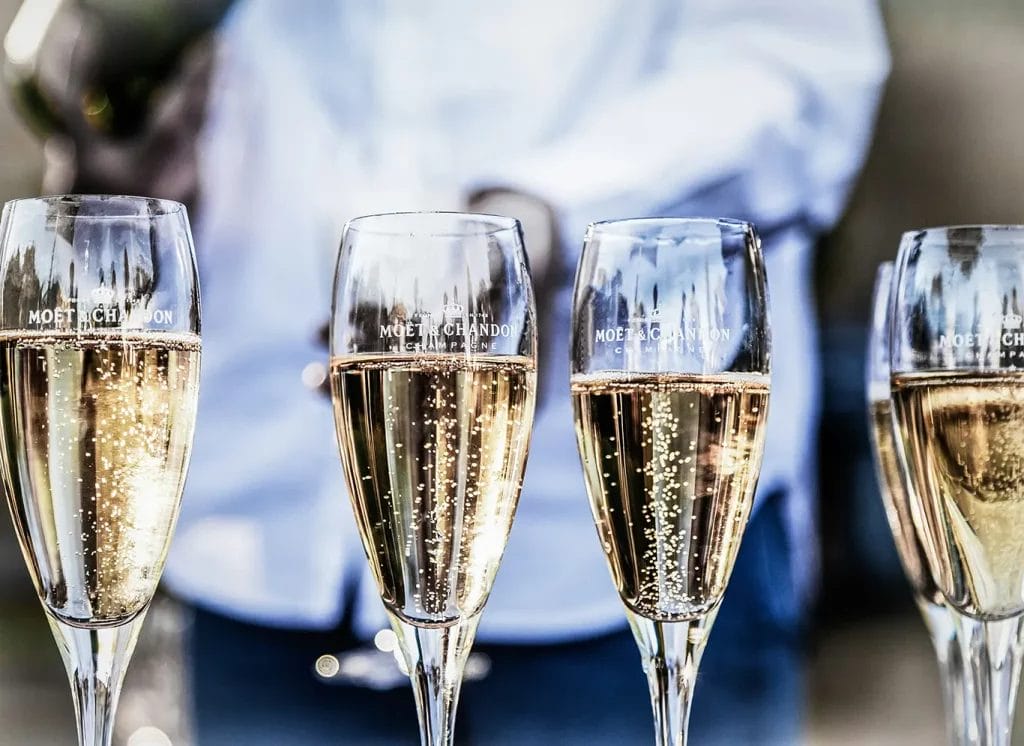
point(452, 330)
point(98, 310)
point(1010, 338)
point(651, 330)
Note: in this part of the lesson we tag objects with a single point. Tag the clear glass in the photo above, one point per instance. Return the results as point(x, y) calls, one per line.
point(670, 383)
point(99, 366)
point(956, 348)
point(433, 377)
point(899, 511)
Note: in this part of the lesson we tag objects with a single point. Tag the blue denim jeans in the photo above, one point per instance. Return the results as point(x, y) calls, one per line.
point(255, 686)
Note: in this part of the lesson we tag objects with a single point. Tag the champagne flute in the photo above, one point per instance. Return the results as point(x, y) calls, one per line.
point(99, 373)
point(898, 511)
point(433, 350)
point(670, 364)
point(957, 345)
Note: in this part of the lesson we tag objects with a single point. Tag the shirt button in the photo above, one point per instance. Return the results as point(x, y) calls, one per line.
point(314, 375)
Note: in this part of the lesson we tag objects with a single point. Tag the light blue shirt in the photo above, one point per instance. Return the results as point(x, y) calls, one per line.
point(759, 109)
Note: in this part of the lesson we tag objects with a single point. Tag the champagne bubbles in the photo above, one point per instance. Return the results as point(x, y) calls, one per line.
point(671, 464)
point(106, 425)
point(435, 448)
point(964, 437)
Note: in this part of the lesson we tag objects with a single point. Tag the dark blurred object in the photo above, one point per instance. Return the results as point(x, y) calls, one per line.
point(858, 554)
point(116, 88)
point(947, 148)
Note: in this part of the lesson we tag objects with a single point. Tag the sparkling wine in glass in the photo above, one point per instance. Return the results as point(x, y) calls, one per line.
point(898, 510)
point(670, 382)
point(433, 377)
point(99, 373)
point(957, 386)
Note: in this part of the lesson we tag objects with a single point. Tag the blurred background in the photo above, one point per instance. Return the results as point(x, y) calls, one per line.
point(947, 149)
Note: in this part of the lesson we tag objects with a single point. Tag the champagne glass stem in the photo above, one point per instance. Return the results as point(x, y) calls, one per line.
point(671, 653)
point(991, 654)
point(96, 660)
point(435, 658)
point(938, 619)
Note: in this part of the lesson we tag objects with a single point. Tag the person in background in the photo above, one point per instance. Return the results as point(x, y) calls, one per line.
point(306, 115)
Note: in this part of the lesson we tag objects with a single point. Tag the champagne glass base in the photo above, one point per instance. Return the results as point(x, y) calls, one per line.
point(96, 659)
point(671, 653)
point(434, 658)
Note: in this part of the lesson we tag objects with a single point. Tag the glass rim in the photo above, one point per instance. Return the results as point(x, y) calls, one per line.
point(877, 368)
point(930, 233)
point(620, 226)
point(131, 206)
point(479, 224)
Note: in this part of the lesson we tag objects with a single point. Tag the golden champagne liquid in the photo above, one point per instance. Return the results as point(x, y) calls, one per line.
point(97, 431)
point(963, 434)
point(897, 503)
point(434, 448)
point(671, 464)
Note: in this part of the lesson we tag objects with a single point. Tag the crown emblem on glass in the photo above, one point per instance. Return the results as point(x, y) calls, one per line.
point(102, 295)
point(1012, 320)
point(643, 315)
